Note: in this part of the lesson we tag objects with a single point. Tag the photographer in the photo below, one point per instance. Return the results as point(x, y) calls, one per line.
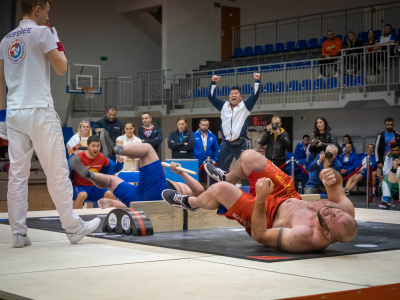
point(277, 140)
point(323, 136)
point(323, 160)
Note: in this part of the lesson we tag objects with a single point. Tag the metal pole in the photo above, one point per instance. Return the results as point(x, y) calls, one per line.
point(367, 184)
point(292, 163)
point(208, 176)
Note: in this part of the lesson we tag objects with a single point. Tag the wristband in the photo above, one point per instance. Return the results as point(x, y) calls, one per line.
point(3, 113)
point(60, 47)
point(394, 170)
point(74, 148)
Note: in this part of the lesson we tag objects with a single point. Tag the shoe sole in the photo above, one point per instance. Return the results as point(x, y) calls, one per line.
point(107, 150)
point(89, 232)
point(78, 167)
point(212, 175)
point(177, 205)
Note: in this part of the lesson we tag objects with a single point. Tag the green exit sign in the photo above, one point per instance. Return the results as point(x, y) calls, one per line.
point(216, 4)
point(103, 58)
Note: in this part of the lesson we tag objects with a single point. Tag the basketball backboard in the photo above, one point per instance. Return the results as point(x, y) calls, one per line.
point(83, 75)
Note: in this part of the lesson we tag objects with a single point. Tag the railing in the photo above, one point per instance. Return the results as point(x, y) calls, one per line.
point(315, 26)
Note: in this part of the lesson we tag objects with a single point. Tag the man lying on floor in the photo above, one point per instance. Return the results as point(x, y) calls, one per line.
point(273, 213)
point(152, 179)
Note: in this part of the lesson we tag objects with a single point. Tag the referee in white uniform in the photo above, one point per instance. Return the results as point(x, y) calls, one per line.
point(31, 123)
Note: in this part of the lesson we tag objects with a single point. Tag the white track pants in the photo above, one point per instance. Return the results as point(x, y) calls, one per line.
point(38, 129)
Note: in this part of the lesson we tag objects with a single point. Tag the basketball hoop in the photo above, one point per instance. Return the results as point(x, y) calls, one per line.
point(89, 91)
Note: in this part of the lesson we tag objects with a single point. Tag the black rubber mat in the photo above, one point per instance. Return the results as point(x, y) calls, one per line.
point(235, 242)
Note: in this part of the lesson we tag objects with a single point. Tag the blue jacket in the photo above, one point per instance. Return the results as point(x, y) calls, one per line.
point(314, 169)
point(114, 128)
point(211, 150)
point(179, 150)
point(299, 152)
point(155, 139)
point(349, 165)
point(372, 160)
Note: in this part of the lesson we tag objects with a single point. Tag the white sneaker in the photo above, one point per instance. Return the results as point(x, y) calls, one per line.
point(88, 227)
point(21, 241)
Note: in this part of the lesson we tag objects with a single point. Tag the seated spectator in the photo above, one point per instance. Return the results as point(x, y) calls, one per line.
point(352, 59)
point(95, 161)
point(362, 173)
point(181, 141)
point(308, 149)
point(389, 189)
point(371, 55)
point(130, 165)
point(323, 137)
point(301, 150)
point(330, 49)
point(78, 142)
point(349, 161)
point(323, 160)
point(347, 140)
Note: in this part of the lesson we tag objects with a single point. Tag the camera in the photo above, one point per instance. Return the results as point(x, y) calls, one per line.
point(315, 142)
point(274, 126)
point(328, 155)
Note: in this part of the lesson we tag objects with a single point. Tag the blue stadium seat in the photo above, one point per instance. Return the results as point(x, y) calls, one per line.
point(306, 85)
point(241, 70)
point(274, 67)
point(268, 49)
point(322, 41)
point(280, 87)
point(290, 46)
point(203, 92)
point(252, 69)
point(298, 64)
point(248, 51)
point(288, 65)
point(221, 72)
point(319, 84)
point(265, 67)
point(238, 52)
point(269, 87)
point(230, 71)
point(378, 34)
point(348, 81)
point(225, 90)
point(312, 43)
point(279, 47)
point(246, 89)
point(293, 86)
point(195, 93)
point(394, 31)
point(217, 91)
point(340, 36)
point(364, 37)
point(258, 50)
point(398, 34)
point(345, 39)
point(307, 63)
point(359, 80)
point(331, 83)
point(301, 44)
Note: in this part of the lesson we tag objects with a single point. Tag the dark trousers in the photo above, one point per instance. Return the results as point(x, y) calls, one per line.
point(228, 152)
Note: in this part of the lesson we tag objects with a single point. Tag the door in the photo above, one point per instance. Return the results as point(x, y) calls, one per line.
point(230, 17)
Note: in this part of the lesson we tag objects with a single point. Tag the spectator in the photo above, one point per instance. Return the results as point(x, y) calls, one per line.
point(388, 38)
point(348, 160)
point(130, 165)
point(148, 133)
point(277, 141)
point(389, 189)
point(181, 141)
point(330, 48)
point(314, 184)
point(300, 153)
point(308, 156)
point(110, 123)
point(95, 162)
point(205, 145)
point(353, 56)
point(371, 55)
point(347, 140)
point(362, 173)
point(234, 115)
point(323, 135)
point(78, 142)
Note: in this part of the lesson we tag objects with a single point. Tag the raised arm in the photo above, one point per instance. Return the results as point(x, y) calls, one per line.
point(218, 103)
point(251, 101)
point(192, 183)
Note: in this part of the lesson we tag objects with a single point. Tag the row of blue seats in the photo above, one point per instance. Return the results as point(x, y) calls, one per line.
point(292, 86)
point(300, 45)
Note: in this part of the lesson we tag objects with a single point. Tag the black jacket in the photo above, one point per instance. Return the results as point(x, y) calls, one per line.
point(155, 139)
point(179, 150)
point(114, 128)
point(380, 146)
point(328, 137)
point(276, 148)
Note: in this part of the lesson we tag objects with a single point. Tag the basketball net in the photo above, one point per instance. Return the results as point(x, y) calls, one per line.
point(89, 91)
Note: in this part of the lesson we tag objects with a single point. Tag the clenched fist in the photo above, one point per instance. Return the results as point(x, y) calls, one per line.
point(264, 188)
point(327, 176)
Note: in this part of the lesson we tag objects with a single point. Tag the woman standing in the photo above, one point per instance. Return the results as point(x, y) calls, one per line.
point(130, 165)
point(323, 136)
point(181, 141)
point(78, 142)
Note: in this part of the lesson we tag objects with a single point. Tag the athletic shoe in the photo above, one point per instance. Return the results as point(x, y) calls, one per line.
point(78, 166)
point(215, 172)
point(106, 144)
point(176, 199)
point(21, 240)
point(385, 203)
point(347, 192)
point(87, 228)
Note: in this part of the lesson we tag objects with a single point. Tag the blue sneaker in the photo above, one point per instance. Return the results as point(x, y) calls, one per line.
point(385, 203)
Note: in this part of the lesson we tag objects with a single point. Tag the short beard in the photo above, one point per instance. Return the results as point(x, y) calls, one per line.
point(322, 221)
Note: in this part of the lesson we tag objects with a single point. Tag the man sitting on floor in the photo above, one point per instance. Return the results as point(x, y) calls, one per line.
point(152, 179)
point(273, 213)
point(94, 161)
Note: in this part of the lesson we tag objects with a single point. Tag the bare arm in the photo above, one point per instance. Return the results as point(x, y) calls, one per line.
point(192, 183)
point(334, 188)
point(58, 61)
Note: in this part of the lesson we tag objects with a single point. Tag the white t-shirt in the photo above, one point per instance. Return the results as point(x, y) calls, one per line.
point(75, 140)
point(130, 165)
point(26, 67)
